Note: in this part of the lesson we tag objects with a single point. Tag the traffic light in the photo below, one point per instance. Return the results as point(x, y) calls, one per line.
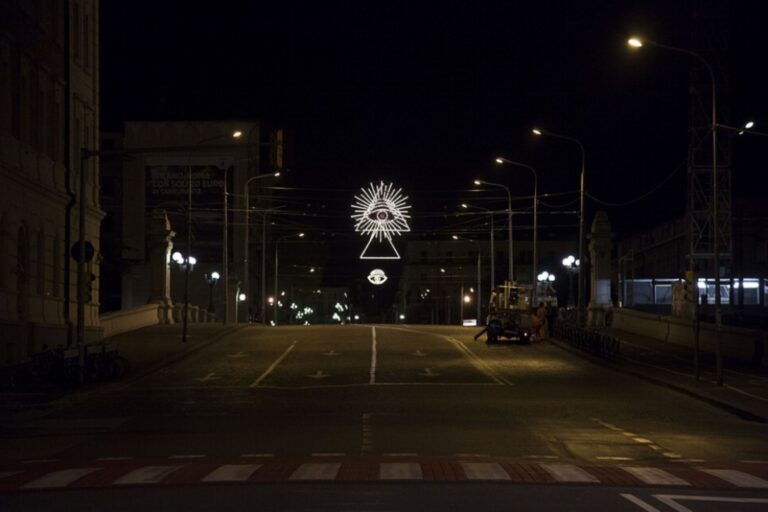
point(690, 292)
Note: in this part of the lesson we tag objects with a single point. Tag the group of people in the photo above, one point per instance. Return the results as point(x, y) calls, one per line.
point(543, 321)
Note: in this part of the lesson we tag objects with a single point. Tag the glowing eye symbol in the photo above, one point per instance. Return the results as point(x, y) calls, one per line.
point(381, 214)
point(377, 277)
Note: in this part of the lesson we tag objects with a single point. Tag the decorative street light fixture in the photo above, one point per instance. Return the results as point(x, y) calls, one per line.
point(212, 279)
point(581, 285)
point(571, 265)
point(185, 263)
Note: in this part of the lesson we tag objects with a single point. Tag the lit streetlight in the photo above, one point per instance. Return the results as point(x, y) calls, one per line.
point(636, 42)
point(502, 160)
point(580, 285)
point(571, 265)
point(509, 221)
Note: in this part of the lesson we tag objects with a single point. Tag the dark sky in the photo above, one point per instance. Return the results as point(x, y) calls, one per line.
point(426, 94)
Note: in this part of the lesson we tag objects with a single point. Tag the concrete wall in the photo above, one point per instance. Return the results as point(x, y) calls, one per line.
point(746, 345)
point(130, 319)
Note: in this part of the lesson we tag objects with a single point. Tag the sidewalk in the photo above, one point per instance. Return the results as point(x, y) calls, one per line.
point(744, 391)
point(144, 350)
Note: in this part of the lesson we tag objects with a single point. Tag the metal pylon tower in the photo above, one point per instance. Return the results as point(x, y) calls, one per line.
point(710, 27)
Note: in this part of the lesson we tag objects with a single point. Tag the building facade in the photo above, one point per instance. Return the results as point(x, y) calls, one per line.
point(49, 112)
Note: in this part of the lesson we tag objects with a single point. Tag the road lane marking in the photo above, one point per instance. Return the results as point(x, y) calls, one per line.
point(614, 458)
point(59, 478)
point(484, 471)
point(471, 455)
point(654, 476)
point(738, 478)
point(754, 461)
point(315, 471)
point(273, 366)
point(541, 456)
point(146, 475)
point(373, 356)
point(189, 456)
point(400, 471)
point(211, 376)
point(429, 373)
point(671, 500)
point(232, 473)
point(568, 473)
point(640, 503)
point(366, 433)
point(246, 455)
point(319, 374)
point(418, 353)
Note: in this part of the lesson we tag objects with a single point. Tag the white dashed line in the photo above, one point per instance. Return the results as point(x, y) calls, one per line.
point(738, 478)
point(247, 455)
point(568, 473)
point(316, 472)
point(146, 475)
point(232, 473)
point(484, 471)
point(654, 476)
point(614, 458)
point(400, 471)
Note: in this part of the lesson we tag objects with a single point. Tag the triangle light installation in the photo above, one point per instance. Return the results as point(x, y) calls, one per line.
point(380, 211)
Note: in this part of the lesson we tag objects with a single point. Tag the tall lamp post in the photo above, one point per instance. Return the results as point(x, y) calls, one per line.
point(186, 263)
point(638, 43)
point(502, 160)
point(509, 221)
point(246, 282)
point(479, 283)
point(571, 265)
point(277, 244)
point(493, 250)
point(580, 285)
point(212, 279)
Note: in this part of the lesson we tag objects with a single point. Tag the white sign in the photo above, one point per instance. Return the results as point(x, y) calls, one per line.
point(380, 212)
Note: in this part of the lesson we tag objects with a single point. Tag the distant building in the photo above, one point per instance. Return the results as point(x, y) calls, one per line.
point(49, 110)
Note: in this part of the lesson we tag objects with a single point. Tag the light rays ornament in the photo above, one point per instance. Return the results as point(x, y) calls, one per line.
point(380, 211)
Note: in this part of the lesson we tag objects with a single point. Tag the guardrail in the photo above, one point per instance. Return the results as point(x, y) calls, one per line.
point(589, 341)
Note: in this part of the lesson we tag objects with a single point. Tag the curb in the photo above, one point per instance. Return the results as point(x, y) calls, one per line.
point(725, 406)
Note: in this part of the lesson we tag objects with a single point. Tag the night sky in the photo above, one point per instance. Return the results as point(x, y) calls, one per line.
point(427, 95)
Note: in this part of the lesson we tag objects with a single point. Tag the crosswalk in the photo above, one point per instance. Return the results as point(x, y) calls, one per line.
point(105, 472)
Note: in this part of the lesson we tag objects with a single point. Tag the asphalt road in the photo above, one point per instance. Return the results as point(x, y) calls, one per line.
point(379, 391)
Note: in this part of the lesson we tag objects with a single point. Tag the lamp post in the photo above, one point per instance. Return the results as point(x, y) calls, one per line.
point(186, 263)
point(509, 221)
point(571, 265)
point(277, 244)
point(493, 250)
point(502, 160)
point(545, 278)
point(212, 279)
point(246, 282)
point(635, 42)
point(581, 286)
point(479, 282)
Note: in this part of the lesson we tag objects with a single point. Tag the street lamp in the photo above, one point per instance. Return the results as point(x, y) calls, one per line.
point(479, 282)
point(185, 263)
point(246, 282)
point(581, 286)
point(571, 265)
point(277, 243)
point(636, 42)
point(212, 279)
point(545, 278)
point(502, 160)
point(509, 221)
point(493, 250)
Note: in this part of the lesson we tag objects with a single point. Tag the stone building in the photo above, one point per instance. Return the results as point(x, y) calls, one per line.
point(49, 111)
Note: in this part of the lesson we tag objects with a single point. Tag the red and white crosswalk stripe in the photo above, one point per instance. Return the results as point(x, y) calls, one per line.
point(105, 472)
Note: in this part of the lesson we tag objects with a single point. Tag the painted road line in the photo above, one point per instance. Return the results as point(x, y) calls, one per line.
point(672, 500)
point(640, 503)
point(232, 473)
point(484, 471)
point(738, 478)
point(400, 471)
point(115, 458)
point(373, 356)
point(614, 458)
point(471, 455)
point(568, 473)
point(478, 363)
point(190, 456)
point(272, 366)
point(654, 476)
point(403, 454)
point(754, 461)
point(59, 478)
point(246, 455)
point(316, 471)
point(146, 475)
point(541, 456)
